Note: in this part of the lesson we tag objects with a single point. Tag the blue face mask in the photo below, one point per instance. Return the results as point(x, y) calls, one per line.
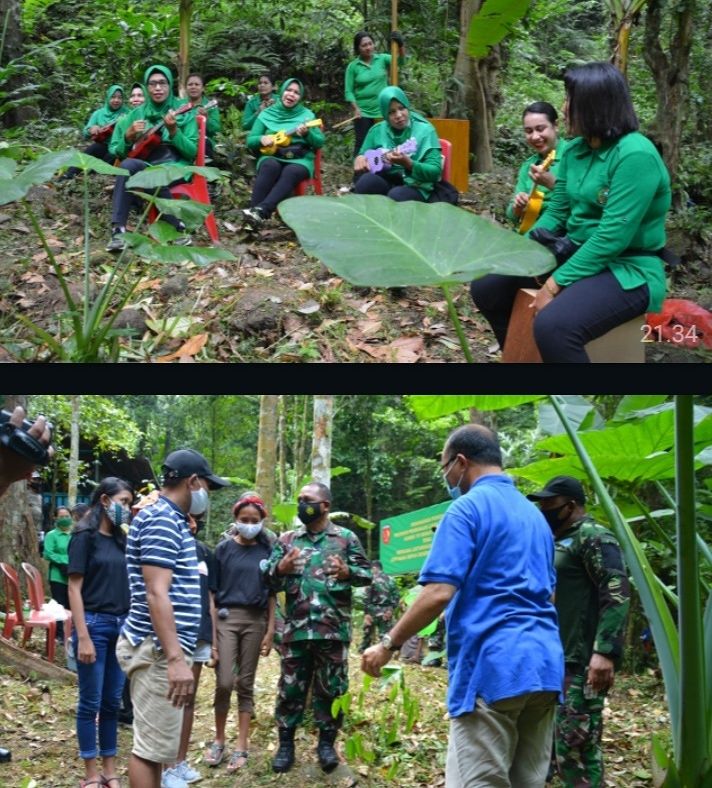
point(454, 491)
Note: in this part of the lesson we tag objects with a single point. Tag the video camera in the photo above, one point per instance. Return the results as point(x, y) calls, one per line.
point(18, 440)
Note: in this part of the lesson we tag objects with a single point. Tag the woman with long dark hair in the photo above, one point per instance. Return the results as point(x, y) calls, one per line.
point(99, 598)
point(244, 624)
point(611, 198)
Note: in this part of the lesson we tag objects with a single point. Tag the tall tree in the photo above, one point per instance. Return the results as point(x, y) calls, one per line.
point(671, 72)
point(18, 539)
point(11, 47)
point(321, 443)
point(473, 94)
point(185, 14)
point(267, 449)
point(73, 473)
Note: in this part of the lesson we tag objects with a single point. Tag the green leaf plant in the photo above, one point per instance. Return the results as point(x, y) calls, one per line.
point(373, 241)
point(396, 714)
point(91, 336)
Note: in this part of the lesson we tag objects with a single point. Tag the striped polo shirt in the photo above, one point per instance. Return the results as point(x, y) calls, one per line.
point(159, 536)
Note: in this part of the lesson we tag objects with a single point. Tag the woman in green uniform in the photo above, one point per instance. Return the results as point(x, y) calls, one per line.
point(365, 78)
point(56, 551)
point(264, 98)
point(541, 132)
point(99, 128)
point(408, 176)
point(611, 198)
point(195, 89)
point(136, 96)
point(279, 172)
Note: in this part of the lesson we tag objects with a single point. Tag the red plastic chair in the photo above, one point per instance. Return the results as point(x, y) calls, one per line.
point(314, 182)
point(197, 188)
point(11, 586)
point(446, 148)
point(38, 617)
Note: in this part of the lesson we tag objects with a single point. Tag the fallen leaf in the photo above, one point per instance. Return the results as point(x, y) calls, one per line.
point(405, 350)
point(309, 307)
point(263, 271)
point(190, 348)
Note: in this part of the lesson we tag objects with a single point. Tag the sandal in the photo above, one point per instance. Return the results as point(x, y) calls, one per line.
point(87, 783)
point(215, 754)
point(111, 782)
point(232, 765)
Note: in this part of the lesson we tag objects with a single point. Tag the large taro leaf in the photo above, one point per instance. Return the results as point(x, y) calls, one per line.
point(200, 255)
point(189, 211)
point(163, 174)
point(14, 186)
point(433, 406)
point(376, 242)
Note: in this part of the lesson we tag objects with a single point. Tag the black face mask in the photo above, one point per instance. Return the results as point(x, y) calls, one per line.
point(552, 517)
point(308, 511)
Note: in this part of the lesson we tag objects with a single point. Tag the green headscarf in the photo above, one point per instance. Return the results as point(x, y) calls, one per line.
point(278, 117)
point(153, 112)
point(105, 115)
point(418, 126)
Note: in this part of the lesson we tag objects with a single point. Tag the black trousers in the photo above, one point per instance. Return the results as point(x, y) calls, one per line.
point(60, 593)
point(361, 127)
point(375, 183)
point(123, 201)
point(276, 180)
point(581, 312)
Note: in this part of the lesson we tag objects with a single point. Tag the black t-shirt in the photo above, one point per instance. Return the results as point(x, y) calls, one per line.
point(239, 579)
point(102, 564)
point(208, 582)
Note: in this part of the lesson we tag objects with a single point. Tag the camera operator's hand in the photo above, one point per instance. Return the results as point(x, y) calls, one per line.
point(14, 466)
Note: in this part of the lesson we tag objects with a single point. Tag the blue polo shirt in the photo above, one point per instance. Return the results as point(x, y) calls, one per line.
point(495, 547)
point(159, 536)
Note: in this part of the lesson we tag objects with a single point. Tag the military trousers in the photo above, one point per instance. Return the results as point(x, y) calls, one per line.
point(320, 664)
point(378, 627)
point(579, 727)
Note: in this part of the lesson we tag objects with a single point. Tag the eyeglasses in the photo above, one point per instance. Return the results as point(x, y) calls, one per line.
point(157, 83)
point(443, 468)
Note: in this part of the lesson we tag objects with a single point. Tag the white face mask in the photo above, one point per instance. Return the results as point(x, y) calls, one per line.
point(249, 530)
point(198, 501)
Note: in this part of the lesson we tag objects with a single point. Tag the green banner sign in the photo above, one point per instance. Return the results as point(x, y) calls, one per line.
point(406, 538)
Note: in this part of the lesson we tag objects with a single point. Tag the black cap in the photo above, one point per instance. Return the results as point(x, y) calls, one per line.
point(185, 462)
point(561, 485)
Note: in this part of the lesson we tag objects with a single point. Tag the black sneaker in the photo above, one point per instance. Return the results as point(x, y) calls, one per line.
point(117, 242)
point(253, 217)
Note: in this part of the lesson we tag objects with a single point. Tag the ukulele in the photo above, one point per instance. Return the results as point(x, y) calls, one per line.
point(376, 158)
point(281, 139)
point(536, 198)
point(103, 133)
point(152, 138)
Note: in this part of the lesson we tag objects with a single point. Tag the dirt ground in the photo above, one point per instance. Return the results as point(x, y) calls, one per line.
point(37, 725)
point(272, 303)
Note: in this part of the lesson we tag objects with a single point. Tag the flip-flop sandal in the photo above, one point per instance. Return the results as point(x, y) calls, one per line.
point(232, 765)
point(215, 755)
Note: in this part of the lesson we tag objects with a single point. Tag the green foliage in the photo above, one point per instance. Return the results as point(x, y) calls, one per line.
point(494, 20)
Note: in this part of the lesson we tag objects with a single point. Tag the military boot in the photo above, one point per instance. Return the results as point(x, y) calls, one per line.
point(328, 759)
point(284, 759)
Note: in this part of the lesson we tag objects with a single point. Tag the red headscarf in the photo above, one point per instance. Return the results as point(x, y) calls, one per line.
point(250, 500)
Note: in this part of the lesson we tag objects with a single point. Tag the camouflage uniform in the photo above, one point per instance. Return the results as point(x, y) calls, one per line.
point(592, 600)
point(381, 599)
point(317, 626)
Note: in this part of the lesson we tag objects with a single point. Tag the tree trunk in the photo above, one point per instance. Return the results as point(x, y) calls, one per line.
point(185, 13)
point(73, 471)
point(671, 71)
point(472, 91)
point(18, 538)
point(267, 449)
point(12, 49)
point(321, 443)
point(282, 445)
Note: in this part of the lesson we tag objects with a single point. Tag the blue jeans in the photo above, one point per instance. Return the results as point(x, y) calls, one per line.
point(100, 686)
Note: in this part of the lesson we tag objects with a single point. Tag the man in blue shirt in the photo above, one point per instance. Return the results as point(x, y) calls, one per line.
point(491, 565)
point(158, 638)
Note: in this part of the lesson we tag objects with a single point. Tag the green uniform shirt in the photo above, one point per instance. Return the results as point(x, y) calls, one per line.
point(317, 609)
point(252, 110)
point(185, 140)
point(212, 127)
point(525, 183)
point(364, 81)
point(314, 138)
point(609, 200)
point(592, 592)
point(56, 551)
point(382, 595)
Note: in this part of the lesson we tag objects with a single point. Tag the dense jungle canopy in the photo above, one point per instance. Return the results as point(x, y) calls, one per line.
point(265, 299)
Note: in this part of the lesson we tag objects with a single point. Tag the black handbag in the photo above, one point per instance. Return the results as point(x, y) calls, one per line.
point(444, 191)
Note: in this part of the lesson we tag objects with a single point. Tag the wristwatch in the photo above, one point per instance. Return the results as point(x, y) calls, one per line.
point(388, 644)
